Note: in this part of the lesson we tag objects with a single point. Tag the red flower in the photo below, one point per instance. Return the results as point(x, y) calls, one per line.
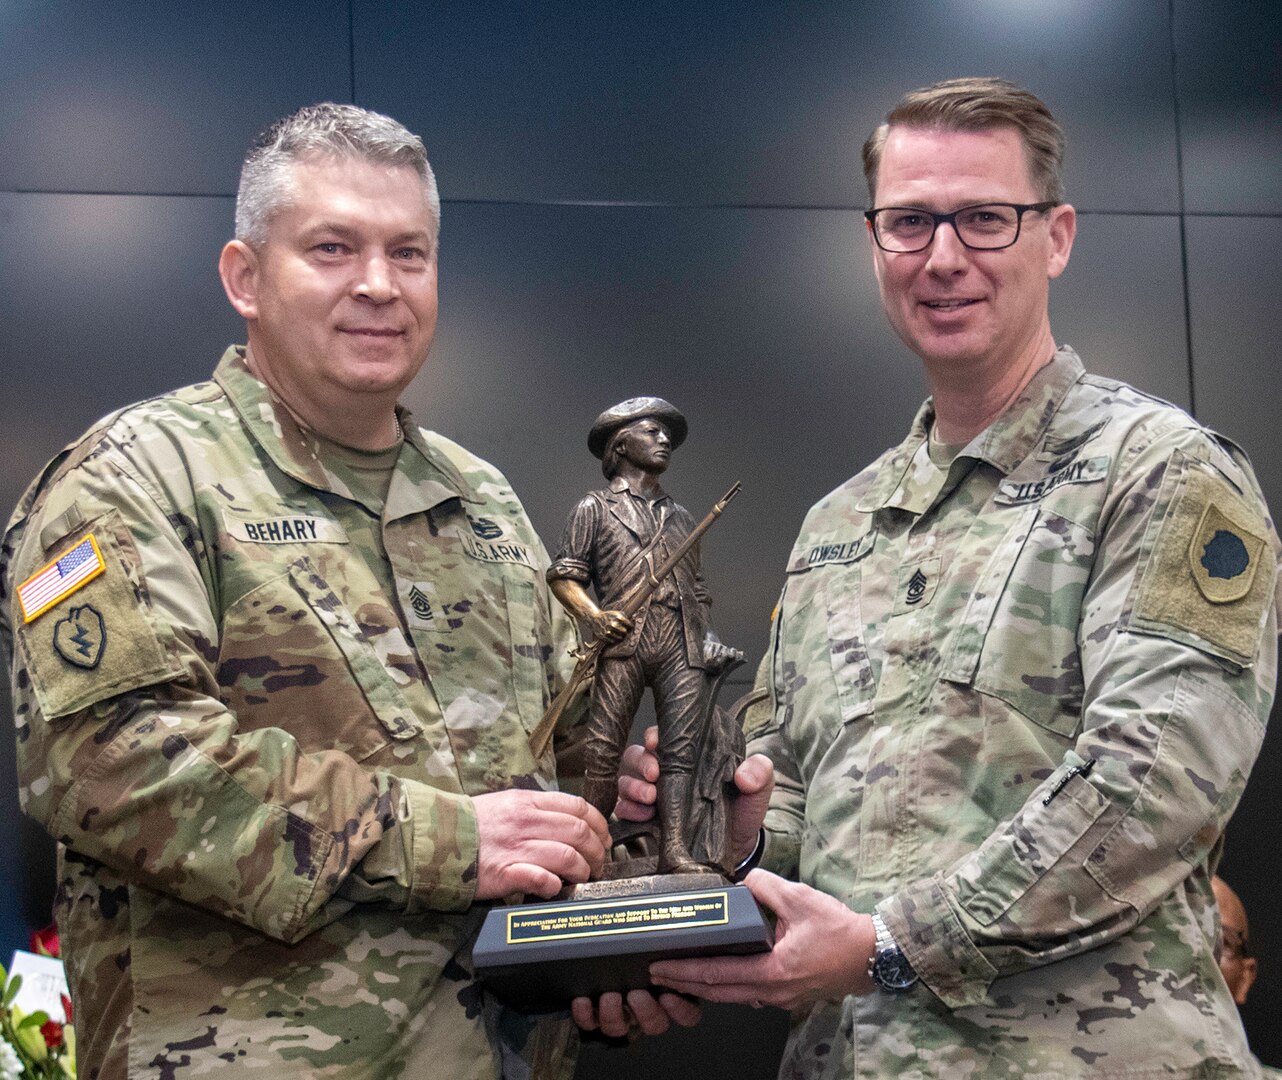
point(66, 1008)
point(45, 942)
point(51, 1032)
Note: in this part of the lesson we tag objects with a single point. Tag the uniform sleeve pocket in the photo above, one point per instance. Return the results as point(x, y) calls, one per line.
point(1014, 859)
point(1185, 798)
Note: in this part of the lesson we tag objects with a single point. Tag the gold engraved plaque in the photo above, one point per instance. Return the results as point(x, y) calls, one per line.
point(595, 919)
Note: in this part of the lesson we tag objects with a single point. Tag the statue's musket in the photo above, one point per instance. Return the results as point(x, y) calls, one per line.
point(585, 669)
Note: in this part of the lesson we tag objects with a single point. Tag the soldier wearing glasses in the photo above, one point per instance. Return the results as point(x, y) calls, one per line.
point(1019, 674)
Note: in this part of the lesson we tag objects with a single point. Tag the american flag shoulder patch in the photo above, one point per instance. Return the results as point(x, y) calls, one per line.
point(60, 578)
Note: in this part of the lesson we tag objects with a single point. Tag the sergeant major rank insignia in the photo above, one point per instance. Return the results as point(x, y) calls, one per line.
point(916, 588)
point(917, 584)
point(420, 604)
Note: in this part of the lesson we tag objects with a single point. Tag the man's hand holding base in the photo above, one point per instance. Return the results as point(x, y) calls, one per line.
point(532, 841)
point(822, 950)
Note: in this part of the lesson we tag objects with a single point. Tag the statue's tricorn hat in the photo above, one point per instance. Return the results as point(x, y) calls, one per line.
point(637, 408)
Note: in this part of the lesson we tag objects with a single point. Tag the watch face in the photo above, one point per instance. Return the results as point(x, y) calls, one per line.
point(892, 971)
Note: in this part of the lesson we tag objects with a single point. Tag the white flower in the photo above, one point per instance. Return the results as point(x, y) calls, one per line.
point(10, 1066)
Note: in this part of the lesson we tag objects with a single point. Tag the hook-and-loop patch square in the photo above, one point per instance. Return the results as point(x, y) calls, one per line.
point(1208, 573)
point(100, 636)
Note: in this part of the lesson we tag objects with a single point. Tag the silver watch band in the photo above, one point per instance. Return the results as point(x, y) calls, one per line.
point(750, 863)
point(884, 938)
point(889, 967)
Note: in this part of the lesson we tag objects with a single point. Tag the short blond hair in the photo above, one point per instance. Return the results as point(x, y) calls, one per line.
point(978, 104)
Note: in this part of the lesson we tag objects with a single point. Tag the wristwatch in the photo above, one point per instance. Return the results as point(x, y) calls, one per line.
point(750, 863)
point(889, 967)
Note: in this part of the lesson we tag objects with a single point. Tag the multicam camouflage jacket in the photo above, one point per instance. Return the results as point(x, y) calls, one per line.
point(253, 713)
point(1015, 700)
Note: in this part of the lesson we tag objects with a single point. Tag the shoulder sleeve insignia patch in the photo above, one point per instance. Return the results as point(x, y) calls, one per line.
point(55, 582)
point(1223, 557)
point(80, 637)
point(1209, 573)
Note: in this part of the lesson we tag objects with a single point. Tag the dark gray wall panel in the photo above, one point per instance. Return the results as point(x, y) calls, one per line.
point(1250, 866)
point(760, 102)
point(1120, 303)
point(1229, 79)
point(104, 300)
point(1235, 277)
point(149, 97)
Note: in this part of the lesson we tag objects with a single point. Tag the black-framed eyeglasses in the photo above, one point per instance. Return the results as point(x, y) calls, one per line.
point(983, 227)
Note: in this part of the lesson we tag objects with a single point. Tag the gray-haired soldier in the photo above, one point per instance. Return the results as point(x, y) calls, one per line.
point(277, 651)
point(1020, 671)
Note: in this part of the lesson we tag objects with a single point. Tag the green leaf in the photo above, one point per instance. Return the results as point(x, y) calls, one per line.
point(37, 1019)
point(12, 988)
point(31, 1042)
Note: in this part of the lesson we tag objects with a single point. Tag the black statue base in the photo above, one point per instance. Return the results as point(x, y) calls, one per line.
point(605, 935)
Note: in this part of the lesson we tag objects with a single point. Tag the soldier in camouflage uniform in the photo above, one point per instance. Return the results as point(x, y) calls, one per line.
point(1020, 671)
point(277, 652)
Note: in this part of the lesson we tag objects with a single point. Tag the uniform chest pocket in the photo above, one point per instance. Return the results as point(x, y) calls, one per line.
point(847, 647)
point(822, 662)
point(531, 631)
point(292, 656)
point(487, 641)
point(1017, 638)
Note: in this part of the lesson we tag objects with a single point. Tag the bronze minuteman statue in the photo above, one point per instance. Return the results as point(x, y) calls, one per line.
point(613, 539)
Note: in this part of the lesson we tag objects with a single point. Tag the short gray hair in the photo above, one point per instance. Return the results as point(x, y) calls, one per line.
point(979, 104)
point(323, 131)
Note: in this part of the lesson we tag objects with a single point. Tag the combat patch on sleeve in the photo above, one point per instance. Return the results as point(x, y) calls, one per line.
point(95, 638)
point(1210, 574)
point(81, 637)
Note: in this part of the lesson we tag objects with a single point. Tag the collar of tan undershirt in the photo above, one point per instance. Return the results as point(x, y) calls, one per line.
point(941, 454)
